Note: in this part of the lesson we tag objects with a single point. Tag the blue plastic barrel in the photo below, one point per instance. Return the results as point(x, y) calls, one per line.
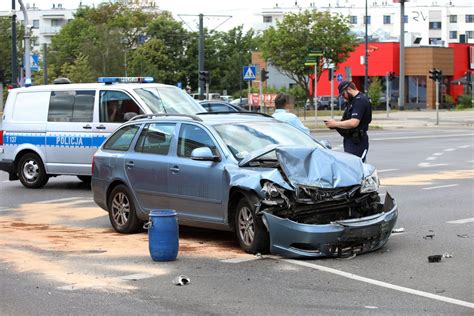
point(163, 235)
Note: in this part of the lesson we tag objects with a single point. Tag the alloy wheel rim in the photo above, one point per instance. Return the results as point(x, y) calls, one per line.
point(246, 226)
point(120, 209)
point(31, 170)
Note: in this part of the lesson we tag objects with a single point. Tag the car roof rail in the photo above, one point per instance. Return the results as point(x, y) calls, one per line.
point(142, 116)
point(249, 112)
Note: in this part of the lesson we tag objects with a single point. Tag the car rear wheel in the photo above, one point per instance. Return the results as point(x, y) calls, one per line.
point(122, 213)
point(31, 171)
point(251, 232)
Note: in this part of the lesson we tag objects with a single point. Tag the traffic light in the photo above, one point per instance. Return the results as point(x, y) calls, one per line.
point(330, 74)
point(204, 76)
point(263, 75)
point(391, 75)
point(436, 74)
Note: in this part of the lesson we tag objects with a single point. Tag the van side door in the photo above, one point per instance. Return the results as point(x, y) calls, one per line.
point(69, 148)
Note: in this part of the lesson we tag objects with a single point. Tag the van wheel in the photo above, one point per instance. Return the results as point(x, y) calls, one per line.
point(122, 213)
point(85, 179)
point(31, 171)
point(251, 232)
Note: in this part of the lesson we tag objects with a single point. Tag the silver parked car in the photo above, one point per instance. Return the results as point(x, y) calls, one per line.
point(276, 187)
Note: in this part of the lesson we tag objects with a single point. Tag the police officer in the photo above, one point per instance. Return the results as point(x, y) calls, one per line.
point(355, 120)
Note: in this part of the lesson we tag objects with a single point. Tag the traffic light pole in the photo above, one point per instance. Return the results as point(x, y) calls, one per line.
point(201, 55)
point(260, 97)
point(332, 93)
point(437, 102)
point(315, 92)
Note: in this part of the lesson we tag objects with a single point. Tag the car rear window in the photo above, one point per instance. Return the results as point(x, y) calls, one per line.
point(121, 139)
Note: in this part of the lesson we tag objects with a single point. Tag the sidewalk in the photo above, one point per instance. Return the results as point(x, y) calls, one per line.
point(408, 119)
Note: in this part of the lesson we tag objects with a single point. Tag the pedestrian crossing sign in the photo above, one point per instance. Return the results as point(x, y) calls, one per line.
point(249, 73)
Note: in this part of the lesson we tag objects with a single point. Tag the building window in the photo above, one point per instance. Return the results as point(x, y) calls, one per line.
point(453, 19)
point(353, 19)
point(367, 19)
point(435, 40)
point(267, 19)
point(55, 22)
point(387, 19)
point(469, 34)
point(405, 19)
point(453, 34)
point(469, 18)
point(435, 25)
point(36, 24)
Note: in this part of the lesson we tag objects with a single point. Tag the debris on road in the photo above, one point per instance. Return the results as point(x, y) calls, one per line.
point(463, 235)
point(181, 280)
point(435, 258)
point(430, 236)
point(447, 255)
point(398, 230)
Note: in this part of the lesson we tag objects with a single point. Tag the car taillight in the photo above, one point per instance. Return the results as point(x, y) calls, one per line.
point(1, 137)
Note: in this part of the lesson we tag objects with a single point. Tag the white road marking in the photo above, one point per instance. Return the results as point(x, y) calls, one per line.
point(370, 307)
point(441, 186)
point(431, 158)
point(420, 137)
point(430, 165)
point(471, 161)
point(240, 259)
point(4, 209)
point(438, 154)
point(462, 221)
point(380, 283)
point(465, 146)
point(450, 149)
point(59, 200)
point(386, 170)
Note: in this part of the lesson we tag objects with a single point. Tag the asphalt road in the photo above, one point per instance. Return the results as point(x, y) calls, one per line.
point(58, 254)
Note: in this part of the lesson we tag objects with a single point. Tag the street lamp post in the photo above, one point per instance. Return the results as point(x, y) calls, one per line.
point(26, 58)
point(401, 86)
point(14, 65)
point(366, 59)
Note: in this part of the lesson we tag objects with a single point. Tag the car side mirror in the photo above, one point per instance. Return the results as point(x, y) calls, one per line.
point(326, 144)
point(203, 154)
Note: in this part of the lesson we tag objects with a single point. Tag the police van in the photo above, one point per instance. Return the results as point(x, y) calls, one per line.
point(55, 130)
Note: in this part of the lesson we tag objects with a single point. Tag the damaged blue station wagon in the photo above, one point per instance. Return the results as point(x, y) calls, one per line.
point(276, 187)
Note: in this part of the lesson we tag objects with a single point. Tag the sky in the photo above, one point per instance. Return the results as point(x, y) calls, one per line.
point(246, 12)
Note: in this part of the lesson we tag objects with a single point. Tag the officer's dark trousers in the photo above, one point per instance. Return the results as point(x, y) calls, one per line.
point(357, 149)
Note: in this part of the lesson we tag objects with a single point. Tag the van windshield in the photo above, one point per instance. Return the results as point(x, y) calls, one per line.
point(169, 100)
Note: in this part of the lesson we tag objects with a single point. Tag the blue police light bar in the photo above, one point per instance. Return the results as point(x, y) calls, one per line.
point(110, 80)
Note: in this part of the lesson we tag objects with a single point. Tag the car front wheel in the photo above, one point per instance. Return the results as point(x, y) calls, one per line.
point(31, 171)
point(251, 232)
point(122, 213)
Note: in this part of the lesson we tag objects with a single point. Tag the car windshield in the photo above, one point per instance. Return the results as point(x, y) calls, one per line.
point(169, 100)
point(246, 137)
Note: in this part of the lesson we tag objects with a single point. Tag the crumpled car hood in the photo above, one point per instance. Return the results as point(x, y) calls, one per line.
point(319, 167)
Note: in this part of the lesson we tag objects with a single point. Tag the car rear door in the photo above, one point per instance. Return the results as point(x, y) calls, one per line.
point(196, 187)
point(147, 165)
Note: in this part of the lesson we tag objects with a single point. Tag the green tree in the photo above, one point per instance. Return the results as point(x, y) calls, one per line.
point(374, 91)
point(6, 47)
point(287, 45)
point(79, 71)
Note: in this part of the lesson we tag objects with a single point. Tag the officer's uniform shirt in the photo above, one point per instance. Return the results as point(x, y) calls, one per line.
point(360, 109)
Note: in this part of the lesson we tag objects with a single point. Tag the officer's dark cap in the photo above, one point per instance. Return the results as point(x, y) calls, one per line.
point(343, 85)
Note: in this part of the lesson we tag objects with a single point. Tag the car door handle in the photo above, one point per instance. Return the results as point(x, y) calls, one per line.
point(130, 164)
point(87, 126)
point(174, 169)
point(100, 127)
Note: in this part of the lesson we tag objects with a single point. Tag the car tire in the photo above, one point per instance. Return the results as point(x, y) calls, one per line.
point(252, 234)
point(122, 213)
point(31, 171)
point(85, 179)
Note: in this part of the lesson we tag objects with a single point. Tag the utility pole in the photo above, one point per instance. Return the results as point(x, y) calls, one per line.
point(316, 92)
point(45, 63)
point(331, 79)
point(401, 86)
point(366, 59)
point(387, 98)
point(14, 64)
point(26, 63)
point(201, 54)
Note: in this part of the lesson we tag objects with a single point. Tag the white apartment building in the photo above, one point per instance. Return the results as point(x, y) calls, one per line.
point(427, 22)
point(45, 23)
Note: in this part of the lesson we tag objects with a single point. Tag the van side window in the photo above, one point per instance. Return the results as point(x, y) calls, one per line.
point(155, 139)
point(71, 106)
point(117, 106)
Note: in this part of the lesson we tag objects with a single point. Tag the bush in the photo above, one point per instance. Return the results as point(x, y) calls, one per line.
point(464, 102)
point(375, 89)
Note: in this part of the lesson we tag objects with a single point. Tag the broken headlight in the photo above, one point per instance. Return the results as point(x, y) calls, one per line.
point(370, 183)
